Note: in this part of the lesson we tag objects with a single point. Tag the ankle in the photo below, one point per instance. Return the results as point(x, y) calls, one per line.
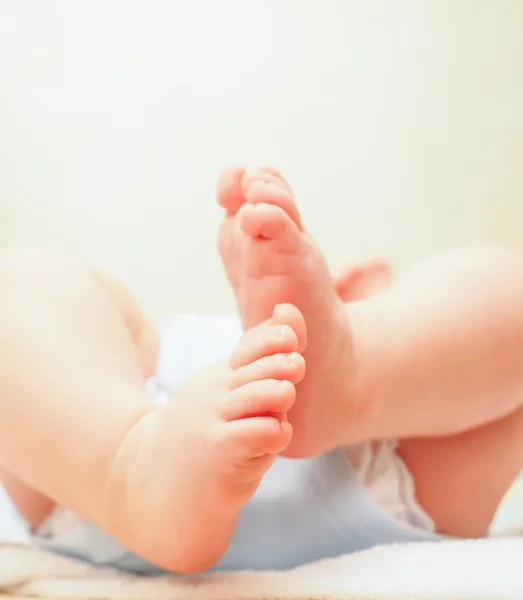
point(360, 396)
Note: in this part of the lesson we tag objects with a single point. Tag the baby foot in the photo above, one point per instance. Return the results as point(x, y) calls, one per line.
point(270, 258)
point(202, 456)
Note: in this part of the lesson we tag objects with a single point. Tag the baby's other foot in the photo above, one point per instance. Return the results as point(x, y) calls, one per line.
point(202, 456)
point(270, 258)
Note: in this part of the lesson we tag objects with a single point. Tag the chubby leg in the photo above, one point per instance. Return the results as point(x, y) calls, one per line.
point(32, 505)
point(167, 482)
point(461, 479)
point(441, 351)
point(57, 329)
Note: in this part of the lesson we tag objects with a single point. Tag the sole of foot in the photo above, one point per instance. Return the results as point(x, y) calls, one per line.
point(270, 258)
point(201, 457)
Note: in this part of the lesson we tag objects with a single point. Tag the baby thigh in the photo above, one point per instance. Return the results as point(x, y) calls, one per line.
point(64, 346)
point(461, 479)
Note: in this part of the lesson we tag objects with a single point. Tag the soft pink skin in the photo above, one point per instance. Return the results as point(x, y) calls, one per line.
point(166, 481)
point(270, 257)
point(433, 359)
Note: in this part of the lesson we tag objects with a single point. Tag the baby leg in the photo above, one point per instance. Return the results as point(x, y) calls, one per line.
point(31, 504)
point(450, 382)
point(441, 351)
point(461, 479)
point(66, 350)
point(167, 482)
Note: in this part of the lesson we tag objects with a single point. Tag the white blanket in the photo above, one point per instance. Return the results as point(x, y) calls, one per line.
point(484, 569)
point(464, 570)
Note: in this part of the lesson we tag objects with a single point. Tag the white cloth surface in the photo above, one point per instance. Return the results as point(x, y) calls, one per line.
point(480, 570)
point(11, 526)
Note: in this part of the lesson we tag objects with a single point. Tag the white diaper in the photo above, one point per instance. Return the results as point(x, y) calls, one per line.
point(388, 481)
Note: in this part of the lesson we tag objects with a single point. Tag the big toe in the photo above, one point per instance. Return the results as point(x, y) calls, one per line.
point(267, 186)
point(229, 189)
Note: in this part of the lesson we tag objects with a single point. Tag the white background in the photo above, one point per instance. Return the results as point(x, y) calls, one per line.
point(400, 124)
